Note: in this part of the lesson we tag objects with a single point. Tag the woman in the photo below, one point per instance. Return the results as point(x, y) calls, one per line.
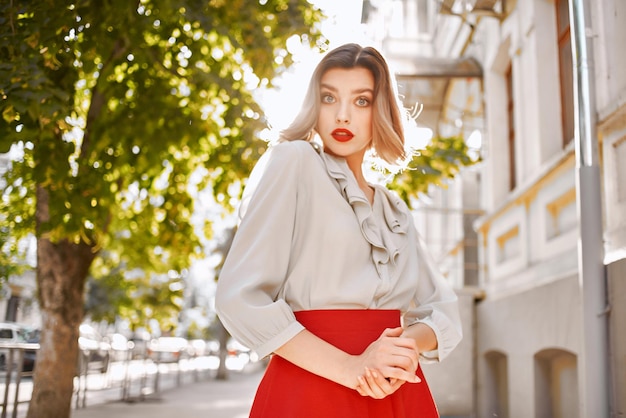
point(326, 271)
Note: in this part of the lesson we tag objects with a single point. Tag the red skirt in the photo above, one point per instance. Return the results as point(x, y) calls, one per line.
point(288, 391)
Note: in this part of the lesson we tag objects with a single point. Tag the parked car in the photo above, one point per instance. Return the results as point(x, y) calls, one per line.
point(198, 347)
point(30, 354)
point(120, 350)
point(91, 345)
point(140, 341)
point(212, 347)
point(94, 348)
point(168, 349)
point(10, 333)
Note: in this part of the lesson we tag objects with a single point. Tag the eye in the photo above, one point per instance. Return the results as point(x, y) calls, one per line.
point(328, 98)
point(362, 101)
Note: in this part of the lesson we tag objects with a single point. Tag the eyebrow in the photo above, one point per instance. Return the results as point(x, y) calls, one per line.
point(357, 91)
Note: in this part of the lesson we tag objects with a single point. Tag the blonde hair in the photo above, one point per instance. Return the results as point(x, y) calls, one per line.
point(387, 118)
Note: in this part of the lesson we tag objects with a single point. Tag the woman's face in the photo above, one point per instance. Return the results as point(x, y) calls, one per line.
point(345, 119)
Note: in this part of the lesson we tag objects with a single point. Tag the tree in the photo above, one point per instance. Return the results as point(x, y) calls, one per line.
point(441, 159)
point(10, 264)
point(134, 296)
point(117, 111)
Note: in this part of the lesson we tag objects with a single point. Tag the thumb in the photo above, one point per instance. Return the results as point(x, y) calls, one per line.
point(393, 332)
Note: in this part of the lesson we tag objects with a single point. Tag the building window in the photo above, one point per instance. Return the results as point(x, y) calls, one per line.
point(566, 70)
point(12, 308)
point(511, 124)
point(556, 384)
point(497, 385)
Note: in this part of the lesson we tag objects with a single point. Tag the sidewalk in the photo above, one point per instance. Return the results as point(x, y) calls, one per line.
point(212, 398)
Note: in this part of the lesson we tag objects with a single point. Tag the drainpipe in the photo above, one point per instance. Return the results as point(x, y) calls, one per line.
point(593, 375)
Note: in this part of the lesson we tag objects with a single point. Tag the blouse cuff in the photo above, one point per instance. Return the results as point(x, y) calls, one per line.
point(279, 340)
point(431, 356)
point(448, 337)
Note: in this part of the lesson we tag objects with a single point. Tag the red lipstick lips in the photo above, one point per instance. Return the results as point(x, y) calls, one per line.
point(342, 135)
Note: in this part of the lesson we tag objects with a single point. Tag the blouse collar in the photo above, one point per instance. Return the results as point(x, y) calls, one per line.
point(386, 239)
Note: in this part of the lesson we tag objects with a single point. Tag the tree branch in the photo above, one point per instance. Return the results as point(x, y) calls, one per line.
point(98, 98)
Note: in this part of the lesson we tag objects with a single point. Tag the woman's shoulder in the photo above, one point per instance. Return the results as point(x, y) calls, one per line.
point(284, 157)
point(297, 154)
point(293, 148)
point(280, 164)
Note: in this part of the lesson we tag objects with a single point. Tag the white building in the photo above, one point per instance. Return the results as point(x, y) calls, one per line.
point(506, 232)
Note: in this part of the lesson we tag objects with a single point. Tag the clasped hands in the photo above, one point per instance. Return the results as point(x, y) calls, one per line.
point(387, 364)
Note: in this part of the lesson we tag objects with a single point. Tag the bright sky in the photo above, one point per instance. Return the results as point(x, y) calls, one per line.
point(343, 25)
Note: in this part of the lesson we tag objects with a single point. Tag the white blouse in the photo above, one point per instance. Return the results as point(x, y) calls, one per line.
point(311, 240)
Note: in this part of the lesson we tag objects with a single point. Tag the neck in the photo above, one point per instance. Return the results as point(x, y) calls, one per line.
point(356, 166)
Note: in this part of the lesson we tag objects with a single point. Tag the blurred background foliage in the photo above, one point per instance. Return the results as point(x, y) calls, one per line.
point(122, 112)
point(433, 166)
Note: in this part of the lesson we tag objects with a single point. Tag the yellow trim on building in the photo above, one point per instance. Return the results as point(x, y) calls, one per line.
point(507, 236)
point(557, 205)
point(528, 196)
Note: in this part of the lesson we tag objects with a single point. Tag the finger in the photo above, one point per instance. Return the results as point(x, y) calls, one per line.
point(394, 384)
point(393, 332)
point(397, 383)
point(399, 357)
point(402, 347)
point(394, 358)
point(381, 382)
point(396, 346)
point(374, 381)
point(400, 374)
point(404, 360)
point(405, 343)
point(364, 387)
point(360, 388)
point(386, 386)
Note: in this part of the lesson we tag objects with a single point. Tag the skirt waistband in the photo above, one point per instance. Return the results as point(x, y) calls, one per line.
point(351, 330)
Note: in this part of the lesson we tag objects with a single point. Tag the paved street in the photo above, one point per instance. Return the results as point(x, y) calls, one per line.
point(142, 388)
point(205, 399)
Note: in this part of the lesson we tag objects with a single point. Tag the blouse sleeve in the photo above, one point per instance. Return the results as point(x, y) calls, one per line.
point(436, 305)
point(255, 268)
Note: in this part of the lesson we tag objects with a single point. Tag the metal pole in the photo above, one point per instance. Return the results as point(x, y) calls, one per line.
point(593, 381)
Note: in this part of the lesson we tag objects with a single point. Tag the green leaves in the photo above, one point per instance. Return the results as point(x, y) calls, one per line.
point(141, 298)
point(115, 106)
point(439, 161)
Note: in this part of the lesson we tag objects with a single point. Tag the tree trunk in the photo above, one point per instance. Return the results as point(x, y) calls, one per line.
point(222, 371)
point(62, 269)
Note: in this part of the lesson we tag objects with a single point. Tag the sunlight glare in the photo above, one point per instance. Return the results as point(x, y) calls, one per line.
point(475, 140)
point(343, 25)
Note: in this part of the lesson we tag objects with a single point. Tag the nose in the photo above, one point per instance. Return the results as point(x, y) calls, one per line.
point(343, 114)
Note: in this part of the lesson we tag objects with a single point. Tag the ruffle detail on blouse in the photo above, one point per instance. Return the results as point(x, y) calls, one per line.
point(388, 239)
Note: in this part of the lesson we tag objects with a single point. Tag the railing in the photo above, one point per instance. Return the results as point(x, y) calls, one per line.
point(13, 364)
point(128, 378)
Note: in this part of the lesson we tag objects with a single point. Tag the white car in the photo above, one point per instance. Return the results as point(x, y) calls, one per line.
point(10, 334)
point(168, 349)
point(95, 350)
